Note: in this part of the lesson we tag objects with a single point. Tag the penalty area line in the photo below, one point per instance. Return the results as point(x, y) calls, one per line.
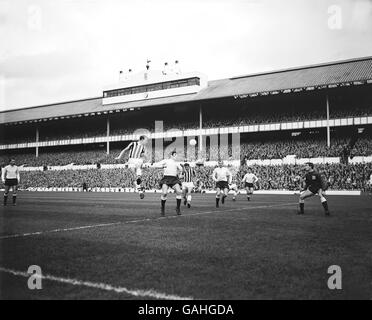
point(22, 235)
point(148, 293)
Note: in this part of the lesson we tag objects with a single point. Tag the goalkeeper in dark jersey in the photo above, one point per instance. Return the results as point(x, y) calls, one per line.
point(314, 185)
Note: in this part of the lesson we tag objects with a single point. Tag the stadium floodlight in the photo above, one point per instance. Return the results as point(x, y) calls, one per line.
point(148, 64)
point(177, 69)
point(166, 68)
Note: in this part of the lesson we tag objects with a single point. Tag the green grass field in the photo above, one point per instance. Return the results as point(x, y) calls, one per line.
point(116, 246)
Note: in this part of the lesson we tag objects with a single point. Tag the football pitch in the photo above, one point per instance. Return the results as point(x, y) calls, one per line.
point(116, 246)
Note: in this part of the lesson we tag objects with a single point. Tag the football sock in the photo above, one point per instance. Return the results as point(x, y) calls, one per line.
point(302, 206)
point(189, 198)
point(5, 199)
point(325, 205)
point(223, 199)
point(163, 200)
point(14, 198)
point(217, 200)
point(179, 199)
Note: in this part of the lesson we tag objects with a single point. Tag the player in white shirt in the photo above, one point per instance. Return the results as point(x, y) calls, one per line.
point(234, 188)
point(222, 176)
point(170, 180)
point(10, 177)
point(370, 183)
point(137, 152)
point(249, 181)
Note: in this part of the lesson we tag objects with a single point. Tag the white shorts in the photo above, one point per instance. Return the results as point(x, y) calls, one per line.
point(188, 185)
point(233, 186)
point(136, 163)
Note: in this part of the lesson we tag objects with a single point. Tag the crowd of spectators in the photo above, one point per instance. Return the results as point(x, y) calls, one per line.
point(62, 158)
point(285, 177)
point(213, 117)
point(263, 148)
point(338, 176)
point(363, 147)
point(302, 148)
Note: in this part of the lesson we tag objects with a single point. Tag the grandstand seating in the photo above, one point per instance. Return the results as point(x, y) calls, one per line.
point(288, 177)
point(216, 116)
point(262, 146)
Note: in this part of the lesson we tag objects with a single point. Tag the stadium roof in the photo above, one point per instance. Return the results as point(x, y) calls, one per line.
point(327, 75)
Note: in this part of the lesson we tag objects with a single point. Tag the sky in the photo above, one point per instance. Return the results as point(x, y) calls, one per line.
point(61, 50)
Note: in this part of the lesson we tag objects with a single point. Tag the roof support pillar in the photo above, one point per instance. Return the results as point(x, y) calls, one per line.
point(37, 142)
point(108, 135)
point(200, 128)
point(328, 127)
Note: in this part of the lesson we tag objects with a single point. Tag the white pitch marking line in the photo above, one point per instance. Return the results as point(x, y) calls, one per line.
point(102, 286)
point(58, 230)
point(19, 235)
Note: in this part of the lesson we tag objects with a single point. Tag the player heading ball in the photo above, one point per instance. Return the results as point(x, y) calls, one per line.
point(137, 152)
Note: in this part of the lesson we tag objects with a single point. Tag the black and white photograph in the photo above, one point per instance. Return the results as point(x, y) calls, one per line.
point(183, 155)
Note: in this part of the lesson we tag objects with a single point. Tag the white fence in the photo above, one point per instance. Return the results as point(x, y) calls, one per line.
point(123, 190)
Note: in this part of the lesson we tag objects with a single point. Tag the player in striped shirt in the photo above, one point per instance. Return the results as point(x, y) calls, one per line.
point(188, 174)
point(137, 152)
point(10, 177)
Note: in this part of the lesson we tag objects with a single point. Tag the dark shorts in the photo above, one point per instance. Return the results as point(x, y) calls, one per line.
point(314, 190)
point(11, 182)
point(170, 181)
point(222, 185)
point(249, 185)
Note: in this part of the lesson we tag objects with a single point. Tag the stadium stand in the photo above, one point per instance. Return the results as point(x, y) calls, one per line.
point(298, 95)
point(215, 116)
point(253, 146)
point(286, 177)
